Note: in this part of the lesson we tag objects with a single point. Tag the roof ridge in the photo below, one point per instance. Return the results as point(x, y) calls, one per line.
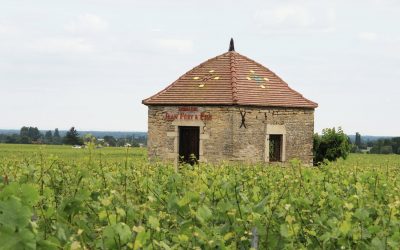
point(287, 85)
point(233, 77)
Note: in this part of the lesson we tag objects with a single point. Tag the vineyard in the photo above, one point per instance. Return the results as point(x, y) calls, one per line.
point(56, 197)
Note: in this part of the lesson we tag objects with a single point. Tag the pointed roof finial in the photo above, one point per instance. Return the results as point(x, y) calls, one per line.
point(231, 45)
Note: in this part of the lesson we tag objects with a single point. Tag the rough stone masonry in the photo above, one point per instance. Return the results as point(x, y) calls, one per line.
point(222, 138)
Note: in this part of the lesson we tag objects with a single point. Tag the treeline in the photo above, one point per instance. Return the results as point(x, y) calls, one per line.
point(32, 135)
point(386, 146)
point(380, 146)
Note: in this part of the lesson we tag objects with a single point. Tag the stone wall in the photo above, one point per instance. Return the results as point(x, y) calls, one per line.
point(215, 135)
point(296, 124)
point(222, 138)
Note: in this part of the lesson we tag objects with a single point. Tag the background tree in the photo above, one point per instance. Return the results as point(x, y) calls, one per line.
point(331, 145)
point(14, 138)
point(376, 149)
point(121, 142)
point(386, 146)
point(110, 140)
point(386, 150)
point(34, 134)
point(29, 134)
point(357, 146)
point(72, 137)
point(24, 135)
point(56, 137)
point(48, 137)
point(358, 140)
point(396, 145)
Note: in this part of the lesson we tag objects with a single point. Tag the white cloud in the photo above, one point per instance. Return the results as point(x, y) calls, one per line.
point(62, 45)
point(175, 45)
point(294, 16)
point(87, 23)
point(368, 36)
point(5, 29)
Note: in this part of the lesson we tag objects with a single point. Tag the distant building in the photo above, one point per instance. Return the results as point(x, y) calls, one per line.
point(230, 108)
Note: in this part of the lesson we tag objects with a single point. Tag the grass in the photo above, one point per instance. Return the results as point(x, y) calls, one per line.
point(66, 152)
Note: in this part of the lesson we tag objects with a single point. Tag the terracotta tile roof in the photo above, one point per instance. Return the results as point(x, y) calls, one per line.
point(230, 79)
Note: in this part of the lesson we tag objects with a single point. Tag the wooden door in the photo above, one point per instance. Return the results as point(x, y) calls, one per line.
point(275, 148)
point(189, 140)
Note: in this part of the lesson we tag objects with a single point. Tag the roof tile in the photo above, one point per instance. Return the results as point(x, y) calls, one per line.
point(230, 79)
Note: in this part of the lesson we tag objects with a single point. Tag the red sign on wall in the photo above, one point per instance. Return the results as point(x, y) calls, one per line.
point(188, 113)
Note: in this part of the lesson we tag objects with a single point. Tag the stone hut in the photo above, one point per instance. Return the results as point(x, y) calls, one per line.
point(230, 108)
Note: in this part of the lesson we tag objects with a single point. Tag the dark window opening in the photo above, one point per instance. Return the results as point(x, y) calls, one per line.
point(275, 148)
point(189, 141)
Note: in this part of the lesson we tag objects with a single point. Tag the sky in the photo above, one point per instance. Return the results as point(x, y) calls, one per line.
point(90, 63)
